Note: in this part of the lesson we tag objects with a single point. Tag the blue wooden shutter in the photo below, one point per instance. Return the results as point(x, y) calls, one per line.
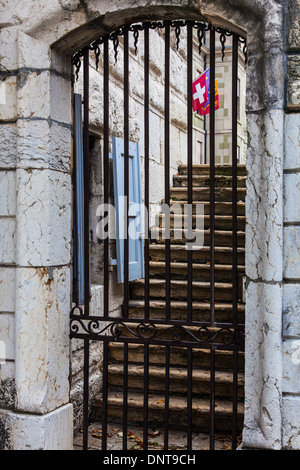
point(79, 204)
point(136, 246)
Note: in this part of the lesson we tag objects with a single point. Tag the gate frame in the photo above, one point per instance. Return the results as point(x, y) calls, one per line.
point(57, 35)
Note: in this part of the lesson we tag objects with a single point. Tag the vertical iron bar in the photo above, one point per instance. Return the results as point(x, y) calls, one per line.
point(212, 398)
point(234, 174)
point(126, 171)
point(189, 398)
point(190, 162)
point(146, 126)
point(106, 169)
point(86, 243)
point(86, 180)
point(104, 395)
point(125, 395)
point(146, 391)
point(212, 173)
point(167, 398)
point(234, 231)
point(167, 167)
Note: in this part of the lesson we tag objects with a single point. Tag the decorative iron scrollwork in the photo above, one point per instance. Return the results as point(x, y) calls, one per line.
point(95, 329)
point(137, 27)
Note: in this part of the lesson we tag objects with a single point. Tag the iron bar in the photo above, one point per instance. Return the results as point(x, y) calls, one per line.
point(146, 392)
point(212, 398)
point(126, 172)
point(212, 173)
point(190, 163)
point(86, 245)
point(104, 394)
point(146, 131)
point(167, 167)
point(106, 169)
point(234, 231)
point(125, 396)
point(167, 397)
point(86, 162)
point(189, 398)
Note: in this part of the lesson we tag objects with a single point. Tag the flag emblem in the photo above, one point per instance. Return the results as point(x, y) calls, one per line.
point(201, 94)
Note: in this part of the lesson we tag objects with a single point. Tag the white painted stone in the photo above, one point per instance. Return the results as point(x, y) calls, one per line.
point(291, 197)
point(8, 193)
point(291, 252)
point(292, 141)
point(291, 309)
point(52, 431)
point(43, 218)
point(42, 344)
point(7, 237)
point(7, 289)
point(8, 144)
point(262, 423)
point(9, 48)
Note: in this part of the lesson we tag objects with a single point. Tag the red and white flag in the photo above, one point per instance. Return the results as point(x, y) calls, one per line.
point(201, 94)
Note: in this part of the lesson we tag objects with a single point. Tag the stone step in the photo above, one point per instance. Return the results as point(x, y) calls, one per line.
point(203, 194)
point(204, 181)
point(178, 310)
point(222, 222)
point(178, 356)
point(177, 411)
point(201, 290)
point(201, 272)
point(202, 237)
point(178, 253)
point(222, 170)
point(178, 380)
point(221, 207)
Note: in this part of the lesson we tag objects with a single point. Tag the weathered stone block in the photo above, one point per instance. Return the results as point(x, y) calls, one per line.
point(293, 84)
point(52, 431)
point(43, 218)
point(291, 422)
point(33, 94)
point(8, 98)
point(262, 424)
point(8, 243)
point(291, 252)
point(8, 146)
point(291, 309)
point(7, 289)
point(43, 144)
point(42, 345)
point(291, 197)
point(8, 193)
point(292, 141)
point(291, 366)
point(264, 203)
point(7, 335)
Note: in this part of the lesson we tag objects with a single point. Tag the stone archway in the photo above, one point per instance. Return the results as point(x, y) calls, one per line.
point(43, 44)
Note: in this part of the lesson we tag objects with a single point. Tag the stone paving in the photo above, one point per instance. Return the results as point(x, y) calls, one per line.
point(177, 439)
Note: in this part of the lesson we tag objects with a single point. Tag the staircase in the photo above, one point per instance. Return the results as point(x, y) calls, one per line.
point(201, 312)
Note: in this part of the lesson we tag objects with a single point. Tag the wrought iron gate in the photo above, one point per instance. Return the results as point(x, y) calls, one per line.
point(168, 331)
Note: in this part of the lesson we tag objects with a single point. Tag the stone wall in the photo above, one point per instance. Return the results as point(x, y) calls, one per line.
point(37, 41)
